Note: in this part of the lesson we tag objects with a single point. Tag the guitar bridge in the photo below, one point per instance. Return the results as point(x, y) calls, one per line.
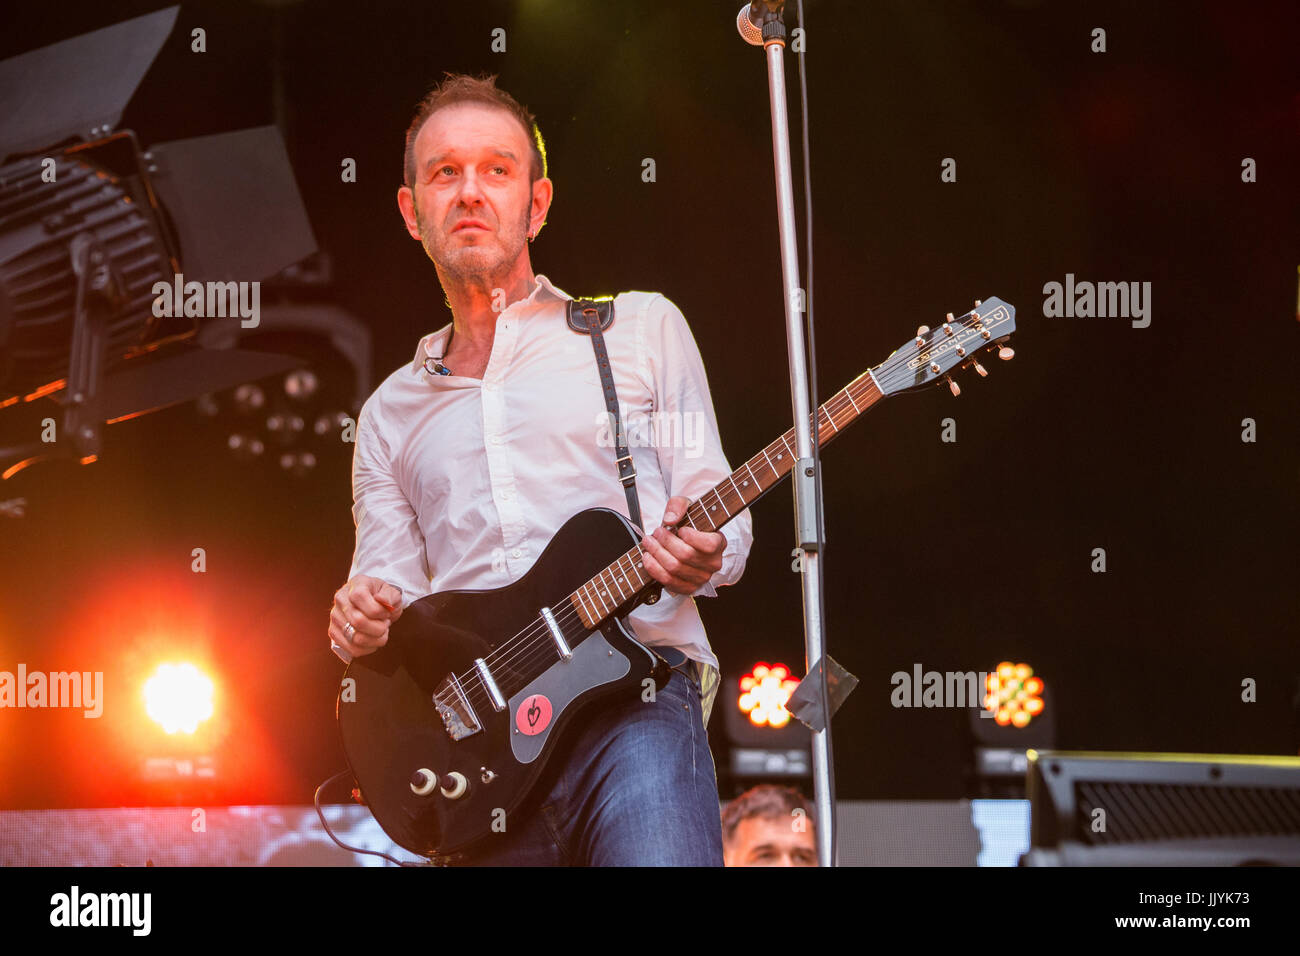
point(458, 716)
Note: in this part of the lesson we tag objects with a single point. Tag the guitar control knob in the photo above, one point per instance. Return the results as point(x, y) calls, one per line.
point(453, 785)
point(423, 782)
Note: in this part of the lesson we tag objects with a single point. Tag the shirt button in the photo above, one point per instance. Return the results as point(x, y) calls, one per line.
point(517, 553)
point(496, 439)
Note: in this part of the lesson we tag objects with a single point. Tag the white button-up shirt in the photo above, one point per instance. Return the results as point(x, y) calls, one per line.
point(460, 482)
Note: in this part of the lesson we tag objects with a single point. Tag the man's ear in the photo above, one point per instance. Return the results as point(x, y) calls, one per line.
point(406, 203)
point(543, 192)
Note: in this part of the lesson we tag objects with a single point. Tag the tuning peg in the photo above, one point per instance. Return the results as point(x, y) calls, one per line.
point(920, 342)
point(953, 386)
point(1006, 354)
point(977, 303)
point(980, 368)
point(947, 327)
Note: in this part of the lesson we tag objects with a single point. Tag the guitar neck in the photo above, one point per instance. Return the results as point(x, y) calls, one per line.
point(623, 579)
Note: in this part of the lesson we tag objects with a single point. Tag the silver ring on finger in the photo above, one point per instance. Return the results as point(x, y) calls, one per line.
point(349, 631)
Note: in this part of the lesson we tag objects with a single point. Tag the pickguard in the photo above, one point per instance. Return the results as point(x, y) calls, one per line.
point(540, 704)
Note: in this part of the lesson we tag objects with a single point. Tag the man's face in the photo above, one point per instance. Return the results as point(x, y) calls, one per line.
point(771, 841)
point(472, 205)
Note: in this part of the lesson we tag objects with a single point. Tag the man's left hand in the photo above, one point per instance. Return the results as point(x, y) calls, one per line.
point(681, 559)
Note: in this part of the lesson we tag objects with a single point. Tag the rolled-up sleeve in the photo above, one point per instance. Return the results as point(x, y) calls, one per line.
point(693, 465)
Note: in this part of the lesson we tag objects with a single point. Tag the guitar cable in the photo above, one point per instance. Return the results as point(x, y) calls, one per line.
point(356, 849)
point(833, 829)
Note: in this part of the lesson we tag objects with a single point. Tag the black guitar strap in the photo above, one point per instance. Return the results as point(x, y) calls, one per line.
point(591, 317)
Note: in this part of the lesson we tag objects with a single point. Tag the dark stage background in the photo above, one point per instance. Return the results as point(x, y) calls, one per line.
point(1115, 166)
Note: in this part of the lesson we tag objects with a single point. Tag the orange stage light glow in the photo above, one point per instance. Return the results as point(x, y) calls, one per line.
point(179, 697)
point(764, 693)
point(1014, 695)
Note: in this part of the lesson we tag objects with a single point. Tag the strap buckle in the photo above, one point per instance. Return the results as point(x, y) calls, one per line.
point(631, 476)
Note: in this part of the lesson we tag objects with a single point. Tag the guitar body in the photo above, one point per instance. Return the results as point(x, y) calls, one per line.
point(392, 728)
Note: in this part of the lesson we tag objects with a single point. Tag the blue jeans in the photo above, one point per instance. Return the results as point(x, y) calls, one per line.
point(633, 784)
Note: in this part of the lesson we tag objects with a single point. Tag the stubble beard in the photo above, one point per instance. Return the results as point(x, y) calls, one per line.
point(469, 265)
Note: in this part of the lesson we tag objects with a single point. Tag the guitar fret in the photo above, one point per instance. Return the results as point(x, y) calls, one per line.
point(775, 474)
point(590, 597)
point(603, 607)
point(849, 394)
point(723, 502)
point(630, 589)
point(575, 600)
point(785, 443)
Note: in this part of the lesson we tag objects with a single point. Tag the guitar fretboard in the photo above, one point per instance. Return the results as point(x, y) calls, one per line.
point(599, 597)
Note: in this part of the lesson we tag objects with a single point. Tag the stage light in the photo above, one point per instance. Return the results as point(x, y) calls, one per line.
point(764, 692)
point(179, 697)
point(298, 463)
point(1013, 694)
point(249, 398)
point(94, 223)
point(301, 384)
point(331, 424)
point(1011, 721)
point(244, 447)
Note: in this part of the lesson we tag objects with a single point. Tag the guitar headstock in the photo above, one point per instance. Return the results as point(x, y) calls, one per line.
point(934, 353)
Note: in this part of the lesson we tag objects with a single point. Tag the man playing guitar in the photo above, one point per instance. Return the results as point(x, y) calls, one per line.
point(469, 458)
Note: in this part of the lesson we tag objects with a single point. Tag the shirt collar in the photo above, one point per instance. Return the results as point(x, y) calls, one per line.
point(432, 344)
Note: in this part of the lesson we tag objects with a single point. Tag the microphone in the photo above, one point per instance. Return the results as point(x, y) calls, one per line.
point(749, 21)
point(434, 366)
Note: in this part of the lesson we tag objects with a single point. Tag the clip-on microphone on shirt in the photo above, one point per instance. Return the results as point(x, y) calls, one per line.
point(434, 366)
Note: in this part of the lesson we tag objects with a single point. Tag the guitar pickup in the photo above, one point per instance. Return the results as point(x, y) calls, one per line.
point(458, 716)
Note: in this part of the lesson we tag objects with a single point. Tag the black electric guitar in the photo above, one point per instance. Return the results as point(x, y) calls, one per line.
point(453, 720)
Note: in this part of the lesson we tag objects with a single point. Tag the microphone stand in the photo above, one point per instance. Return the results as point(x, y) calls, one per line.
point(804, 477)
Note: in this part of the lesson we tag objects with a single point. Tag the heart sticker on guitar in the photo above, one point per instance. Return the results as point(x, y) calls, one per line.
point(533, 715)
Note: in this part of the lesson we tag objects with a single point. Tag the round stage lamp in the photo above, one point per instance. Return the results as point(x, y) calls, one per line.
point(1014, 694)
point(764, 693)
point(178, 697)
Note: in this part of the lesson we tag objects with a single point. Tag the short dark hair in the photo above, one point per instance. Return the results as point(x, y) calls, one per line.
point(459, 88)
point(766, 801)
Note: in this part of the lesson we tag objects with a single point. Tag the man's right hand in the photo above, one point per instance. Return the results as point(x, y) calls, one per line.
point(370, 606)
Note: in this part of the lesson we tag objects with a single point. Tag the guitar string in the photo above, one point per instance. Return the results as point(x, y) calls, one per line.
point(832, 408)
point(523, 646)
point(537, 638)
